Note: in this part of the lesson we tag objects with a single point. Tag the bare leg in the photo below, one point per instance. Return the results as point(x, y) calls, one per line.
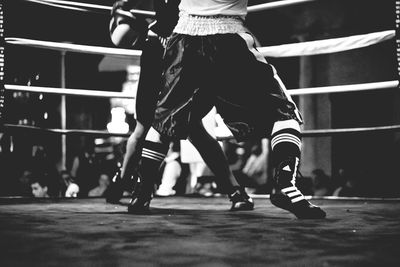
point(213, 156)
point(133, 150)
point(123, 180)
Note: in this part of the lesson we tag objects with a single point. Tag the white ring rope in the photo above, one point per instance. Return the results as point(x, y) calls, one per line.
point(58, 5)
point(89, 7)
point(276, 4)
point(304, 133)
point(110, 94)
point(102, 133)
point(64, 91)
point(327, 46)
point(286, 50)
point(344, 88)
point(74, 47)
point(250, 9)
point(71, 3)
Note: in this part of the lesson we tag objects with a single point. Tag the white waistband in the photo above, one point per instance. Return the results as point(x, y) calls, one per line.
point(208, 25)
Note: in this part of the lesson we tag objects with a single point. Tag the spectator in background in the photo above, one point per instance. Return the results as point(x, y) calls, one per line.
point(348, 186)
point(23, 187)
point(100, 189)
point(69, 188)
point(85, 169)
point(40, 188)
point(171, 172)
point(44, 170)
point(250, 163)
point(321, 183)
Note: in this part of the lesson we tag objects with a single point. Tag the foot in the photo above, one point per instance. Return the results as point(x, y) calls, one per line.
point(288, 196)
point(301, 209)
point(118, 186)
point(240, 200)
point(115, 190)
point(138, 206)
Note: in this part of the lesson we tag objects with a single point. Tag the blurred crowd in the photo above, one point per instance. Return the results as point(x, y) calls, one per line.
point(92, 168)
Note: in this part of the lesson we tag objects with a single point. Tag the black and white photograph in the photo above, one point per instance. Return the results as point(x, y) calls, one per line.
point(199, 133)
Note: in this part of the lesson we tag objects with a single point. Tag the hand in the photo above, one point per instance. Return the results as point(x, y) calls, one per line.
point(255, 165)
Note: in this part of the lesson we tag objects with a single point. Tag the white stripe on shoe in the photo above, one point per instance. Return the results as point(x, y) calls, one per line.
point(146, 153)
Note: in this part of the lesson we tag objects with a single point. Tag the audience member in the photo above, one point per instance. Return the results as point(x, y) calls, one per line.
point(100, 189)
point(321, 183)
point(85, 169)
point(69, 188)
point(40, 188)
point(348, 187)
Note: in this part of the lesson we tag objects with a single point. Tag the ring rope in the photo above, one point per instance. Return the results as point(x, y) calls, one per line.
point(119, 52)
point(65, 91)
point(304, 133)
point(58, 5)
point(250, 9)
point(111, 94)
point(276, 4)
point(286, 50)
point(90, 7)
point(62, 4)
point(345, 88)
point(327, 46)
point(100, 133)
point(330, 132)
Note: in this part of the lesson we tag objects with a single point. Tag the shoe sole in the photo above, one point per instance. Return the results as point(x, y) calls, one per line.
point(282, 202)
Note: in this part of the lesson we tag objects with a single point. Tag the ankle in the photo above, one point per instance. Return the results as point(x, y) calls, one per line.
point(286, 172)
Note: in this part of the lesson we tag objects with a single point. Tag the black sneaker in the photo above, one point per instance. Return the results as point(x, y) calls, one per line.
point(141, 197)
point(301, 209)
point(115, 190)
point(240, 200)
point(288, 197)
point(138, 206)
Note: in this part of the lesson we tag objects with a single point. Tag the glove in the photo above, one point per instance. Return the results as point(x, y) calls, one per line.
point(167, 14)
point(138, 26)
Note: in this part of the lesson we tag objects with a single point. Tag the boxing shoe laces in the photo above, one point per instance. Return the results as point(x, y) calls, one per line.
point(288, 197)
point(240, 200)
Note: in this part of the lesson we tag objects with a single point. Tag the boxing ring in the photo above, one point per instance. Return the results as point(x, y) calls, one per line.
point(192, 231)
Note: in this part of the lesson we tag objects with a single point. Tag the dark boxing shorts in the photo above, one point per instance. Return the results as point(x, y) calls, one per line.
point(222, 70)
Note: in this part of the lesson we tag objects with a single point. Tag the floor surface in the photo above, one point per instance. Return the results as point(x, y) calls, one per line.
point(188, 231)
